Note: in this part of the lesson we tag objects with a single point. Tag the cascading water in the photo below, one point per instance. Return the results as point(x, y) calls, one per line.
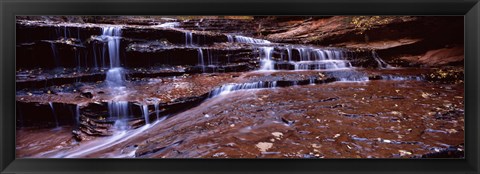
point(188, 38)
point(77, 115)
point(289, 53)
point(225, 89)
point(119, 110)
point(249, 40)
point(201, 61)
point(157, 108)
point(381, 64)
point(230, 38)
point(115, 75)
point(267, 63)
point(168, 25)
point(318, 59)
point(146, 114)
point(55, 54)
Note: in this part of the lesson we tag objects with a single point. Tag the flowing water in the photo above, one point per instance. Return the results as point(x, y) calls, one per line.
point(115, 75)
point(306, 101)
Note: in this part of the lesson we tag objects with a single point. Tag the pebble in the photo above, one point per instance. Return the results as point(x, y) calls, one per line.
point(277, 135)
point(264, 146)
point(336, 136)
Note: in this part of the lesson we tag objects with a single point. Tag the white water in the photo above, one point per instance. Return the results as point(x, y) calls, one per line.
point(289, 53)
point(249, 40)
point(201, 61)
point(77, 115)
point(115, 75)
point(188, 38)
point(113, 34)
point(312, 80)
point(266, 62)
point(157, 108)
point(119, 110)
point(319, 59)
point(355, 79)
point(401, 78)
point(230, 38)
point(225, 89)
point(168, 25)
point(146, 114)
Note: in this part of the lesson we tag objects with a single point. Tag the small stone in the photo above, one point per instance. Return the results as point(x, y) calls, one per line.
point(451, 131)
point(316, 145)
point(404, 152)
point(264, 146)
point(220, 154)
point(336, 136)
point(277, 135)
point(230, 144)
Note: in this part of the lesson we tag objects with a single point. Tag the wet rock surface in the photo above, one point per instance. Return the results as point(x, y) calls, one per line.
point(319, 126)
point(198, 88)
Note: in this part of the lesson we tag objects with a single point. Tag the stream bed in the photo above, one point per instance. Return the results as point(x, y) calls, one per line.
point(118, 91)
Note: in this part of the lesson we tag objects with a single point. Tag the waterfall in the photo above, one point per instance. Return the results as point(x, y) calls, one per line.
point(225, 89)
point(118, 110)
point(289, 52)
point(200, 59)
point(54, 114)
point(312, 80)
point(146, 114)
point(95, 63)
point(168, 25)
point(77, 115)
point(115, 75)
point(249, 40)
point(113, 35)
point(188, 38)
point(55, 54)
point(310, 58)
point(266, 62)
point(230, 38)
point(157, 108)
point(381, 64)
point(353, 79)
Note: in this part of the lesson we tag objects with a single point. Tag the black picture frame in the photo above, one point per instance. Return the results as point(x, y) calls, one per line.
point(10, 8)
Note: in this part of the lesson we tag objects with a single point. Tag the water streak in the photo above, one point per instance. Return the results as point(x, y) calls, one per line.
point(55, 54)
point(188, 38)
point(146, 114)
point(381, 64)
point(54, 114)
point(201, 61)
